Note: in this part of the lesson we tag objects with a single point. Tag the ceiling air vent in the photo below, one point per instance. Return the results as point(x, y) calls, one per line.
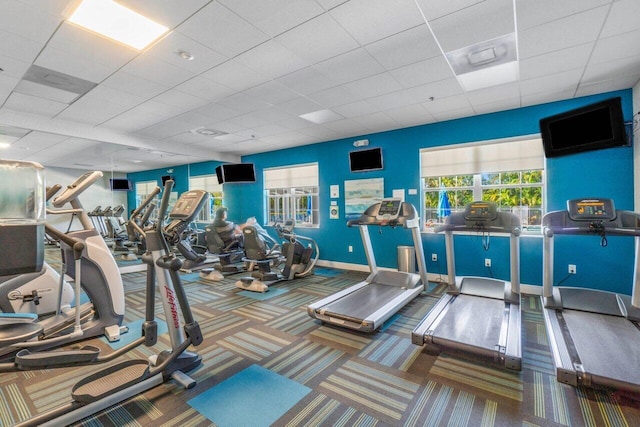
point(208, 132)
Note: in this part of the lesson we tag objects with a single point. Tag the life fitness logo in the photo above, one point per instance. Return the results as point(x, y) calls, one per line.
point(171, 299)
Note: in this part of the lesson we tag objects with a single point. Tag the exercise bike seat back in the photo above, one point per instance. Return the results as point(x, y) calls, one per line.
point(255, 246)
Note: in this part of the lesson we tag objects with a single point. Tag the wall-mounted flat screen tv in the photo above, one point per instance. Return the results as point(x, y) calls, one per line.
point(120, 184)
point(592, 127)
point(365, 160)
point(166, 178)
point(239, 172)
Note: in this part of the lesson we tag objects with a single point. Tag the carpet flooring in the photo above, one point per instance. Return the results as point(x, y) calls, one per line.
point(266, 362)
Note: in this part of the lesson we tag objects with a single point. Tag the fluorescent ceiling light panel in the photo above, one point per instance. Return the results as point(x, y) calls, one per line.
point(321, 116)
point(112, 20)
point(4, 145)
point(492, 76)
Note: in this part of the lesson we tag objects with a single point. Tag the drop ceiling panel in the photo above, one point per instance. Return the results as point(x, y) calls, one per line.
point(167, 13)
point(559, 81)
point(393, 100)
point(498, 93)
point(355, 109)
point(168, 49)
point(222, 30)
point(349, 67)
point(497, 105)
point(304, 41)
point(306, 81)
point(616, 47)
point(457, 102)
point(368, 20)
point(205, 88)
point(423, 72)
point(608, 85)
point(479, 22)
point(235, 75)
point(560, 60)
point(12, 67)
point(437, 90)
point(134, 85)
point(410, 115)
point(38, 27)
point(407, 47)
point(214, 112)
point(374, 86)
point(243, 103)
point(613, 69)
point(34, 105)
point(77, 66)
point(180, 100)
point(158, 71)
point(562, 33)
point(377, 122)
point(17, 47)
point(299, 106)
point(622, 18)
point(337, 95)
point(531, 14)
point(330, 4)
point(271, 92)
point(7, 84)
point(437, 9)
point(274, 17)
point(271, 59)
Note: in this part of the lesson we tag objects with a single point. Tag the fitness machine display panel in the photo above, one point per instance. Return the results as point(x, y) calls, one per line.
point(480, 211)
point(591, 209)
point(389, 209)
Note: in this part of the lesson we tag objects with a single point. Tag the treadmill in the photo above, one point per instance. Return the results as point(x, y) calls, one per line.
point(365, 306)
point(594, 335)
point(478, 315)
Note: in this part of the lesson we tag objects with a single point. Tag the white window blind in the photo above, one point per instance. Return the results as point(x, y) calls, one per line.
point(470, 159)
point(288, 177)
point(205, 182)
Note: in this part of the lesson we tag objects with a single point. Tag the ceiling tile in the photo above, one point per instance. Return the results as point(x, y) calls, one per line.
point(299, 106)
point(338, 95)
point(220, 29)
point(38, 27)
point(215, 112)
point(613, 69)
point(235, 75)
point(407, 47)
point(169, 48)
point(243, 103)
point(623, 82)
point(452, 103)
point(180, 100)
point(306, 81)
point(271, 59)
point(303, 40)
point(377, 122)
point(167, 13)
point(437, 90)
point(349, 67)
point(622, 18)
point(560, 60)
point(355, 109)
point(271, 92)
point(158, 71)
point(477, 23)
point(368, 20)
point(531, 14)
point(562, 33)
point(374, 86)
point(394, 99)
point(18, 48)
point(204, 88)
point(330, 4)
point(410, 115)
point(495, 93)
point(274, 17)
point(559, 81)
point(73, 65)
point(497, 105)
point(33, 105)
point(427, 71)
point(616, 47)
point(437, 9)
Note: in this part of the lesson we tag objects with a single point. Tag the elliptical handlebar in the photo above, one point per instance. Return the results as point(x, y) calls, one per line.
point(145, 203)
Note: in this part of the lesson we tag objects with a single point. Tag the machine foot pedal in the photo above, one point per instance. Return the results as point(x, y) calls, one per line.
point(111, 380)
point(56, 359)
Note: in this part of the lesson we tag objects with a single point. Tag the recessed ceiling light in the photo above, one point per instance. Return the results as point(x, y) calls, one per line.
point(110, 19)
point(321, 116)
point(4, 145)
point(185, 55)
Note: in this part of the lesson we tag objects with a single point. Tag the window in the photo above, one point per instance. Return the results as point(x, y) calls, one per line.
point(143, 189)
point(210, 184)
point(508, 173)
point(292, 193)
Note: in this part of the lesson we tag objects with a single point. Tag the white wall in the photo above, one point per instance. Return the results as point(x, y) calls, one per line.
point(98, 194)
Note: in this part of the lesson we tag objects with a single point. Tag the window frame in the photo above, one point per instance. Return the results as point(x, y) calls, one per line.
point(478, 188)
point(288, 200)
point(216, 196)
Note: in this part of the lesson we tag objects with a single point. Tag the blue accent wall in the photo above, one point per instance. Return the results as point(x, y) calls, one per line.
point(603, 173)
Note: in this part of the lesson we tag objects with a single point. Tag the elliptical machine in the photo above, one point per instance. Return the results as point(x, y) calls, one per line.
point(129, 378)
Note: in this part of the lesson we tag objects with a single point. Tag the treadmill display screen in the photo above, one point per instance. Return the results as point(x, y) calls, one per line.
point(389, 208)
point(590, 209)
point(481, 211)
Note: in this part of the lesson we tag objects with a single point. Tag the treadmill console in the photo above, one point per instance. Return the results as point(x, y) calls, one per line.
point(591, 209)
point(389, 210)
point(481, 211)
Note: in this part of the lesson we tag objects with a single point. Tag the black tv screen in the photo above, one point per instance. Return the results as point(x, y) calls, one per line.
point(166, 178)
point(365, 160)
point(240, 172)
point(119, 184)
point(593, 127)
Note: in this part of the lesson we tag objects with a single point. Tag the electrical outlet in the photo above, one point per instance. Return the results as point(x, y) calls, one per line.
point(350, 248)
point(487, 262)
point(434, 257)
point(572, 269)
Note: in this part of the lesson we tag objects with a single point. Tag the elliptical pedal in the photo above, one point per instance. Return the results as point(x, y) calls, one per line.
point(110, 380)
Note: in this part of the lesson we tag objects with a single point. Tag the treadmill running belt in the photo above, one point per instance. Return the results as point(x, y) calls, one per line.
point(472, 320)
point(607, 345)
point(363, 302)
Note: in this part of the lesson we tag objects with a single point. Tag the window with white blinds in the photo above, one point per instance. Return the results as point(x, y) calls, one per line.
point(507, 172)
point(209, 183)
point(291, 192)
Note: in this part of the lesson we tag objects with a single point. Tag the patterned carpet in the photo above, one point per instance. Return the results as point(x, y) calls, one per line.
point(350, 379)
